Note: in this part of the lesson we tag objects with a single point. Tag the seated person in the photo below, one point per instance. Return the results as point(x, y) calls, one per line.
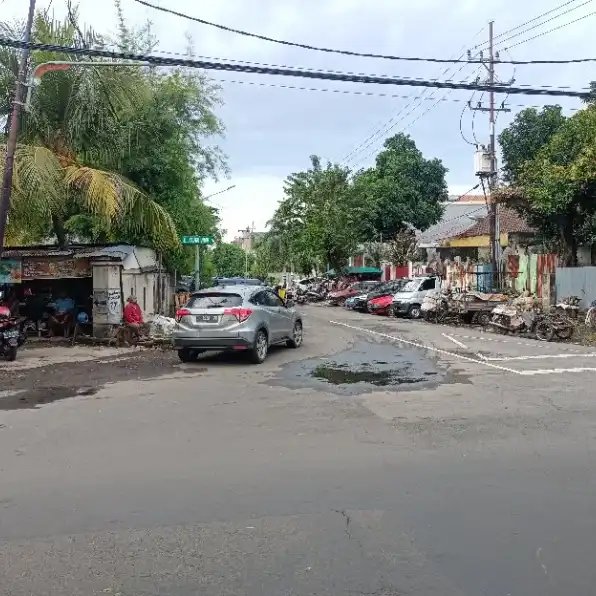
point(133, 315)
point(63, 315)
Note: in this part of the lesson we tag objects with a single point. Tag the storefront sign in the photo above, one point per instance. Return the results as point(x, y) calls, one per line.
point(11, 271)
point(56, 268)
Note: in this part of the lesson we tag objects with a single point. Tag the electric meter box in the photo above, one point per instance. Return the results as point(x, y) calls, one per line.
point(482, 163)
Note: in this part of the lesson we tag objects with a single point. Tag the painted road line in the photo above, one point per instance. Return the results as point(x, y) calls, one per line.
point(457, 343)
point(555, 371)
point(536, 357)
point(532, 344)
point(429, 348)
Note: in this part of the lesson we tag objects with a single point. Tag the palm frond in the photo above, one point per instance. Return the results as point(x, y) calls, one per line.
point(100, 190)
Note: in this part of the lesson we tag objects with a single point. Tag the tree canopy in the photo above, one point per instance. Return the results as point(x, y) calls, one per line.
point(553, 177)
point(111, 153)
point(327, 211)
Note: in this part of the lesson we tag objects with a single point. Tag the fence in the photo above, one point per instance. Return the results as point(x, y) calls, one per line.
point(520, 272)
point(576, 281)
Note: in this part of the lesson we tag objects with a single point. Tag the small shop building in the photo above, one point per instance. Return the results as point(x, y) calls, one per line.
point(98, 278)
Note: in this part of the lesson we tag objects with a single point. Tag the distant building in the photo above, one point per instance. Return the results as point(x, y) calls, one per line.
point(248, 242)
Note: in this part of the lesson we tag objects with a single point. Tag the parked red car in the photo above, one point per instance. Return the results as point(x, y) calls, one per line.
point(380, 306)
point(340, 296)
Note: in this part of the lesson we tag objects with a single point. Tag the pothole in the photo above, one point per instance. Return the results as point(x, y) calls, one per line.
point(363, 368)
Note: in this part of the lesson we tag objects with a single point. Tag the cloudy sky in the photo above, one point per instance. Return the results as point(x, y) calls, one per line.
point(271, 131)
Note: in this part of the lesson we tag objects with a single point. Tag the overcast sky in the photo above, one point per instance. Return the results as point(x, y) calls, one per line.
point(270, 131)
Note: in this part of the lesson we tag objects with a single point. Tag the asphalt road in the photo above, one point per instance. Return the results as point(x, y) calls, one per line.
point(382, 458)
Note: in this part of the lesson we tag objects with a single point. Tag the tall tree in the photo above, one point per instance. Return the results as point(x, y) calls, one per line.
point(316, 217)
point(556, 188)
point(530, 131)
point(229, 260)
point(403, 190)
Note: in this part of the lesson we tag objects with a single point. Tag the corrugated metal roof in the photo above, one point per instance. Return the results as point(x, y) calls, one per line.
point(119, 252)
point(458, 217)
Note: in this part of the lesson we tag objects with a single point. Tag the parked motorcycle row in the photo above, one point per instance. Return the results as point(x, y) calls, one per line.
point(422, 297)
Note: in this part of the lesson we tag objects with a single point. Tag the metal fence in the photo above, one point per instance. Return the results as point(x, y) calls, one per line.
point(576, 281)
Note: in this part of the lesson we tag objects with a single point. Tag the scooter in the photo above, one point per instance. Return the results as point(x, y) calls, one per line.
point(11, 336)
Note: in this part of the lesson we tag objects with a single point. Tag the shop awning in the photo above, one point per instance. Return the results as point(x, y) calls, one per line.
point(362, 271)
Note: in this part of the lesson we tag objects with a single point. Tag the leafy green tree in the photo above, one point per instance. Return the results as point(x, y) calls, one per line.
point(556, 189)
point(530, 131)
point(229, 260)
point(403, 190)
point(113, 154)
point(316, 218)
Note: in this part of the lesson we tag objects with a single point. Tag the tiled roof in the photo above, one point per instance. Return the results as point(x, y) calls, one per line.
point(458, 217)
point(510, 222)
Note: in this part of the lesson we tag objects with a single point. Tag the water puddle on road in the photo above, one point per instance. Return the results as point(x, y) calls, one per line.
point(363, 368)
point(25, 399)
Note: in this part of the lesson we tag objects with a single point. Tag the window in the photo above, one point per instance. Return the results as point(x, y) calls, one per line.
point(273, 300)
point(428, 284)
point(259, 299)
point(144, 297)
point(214, 300)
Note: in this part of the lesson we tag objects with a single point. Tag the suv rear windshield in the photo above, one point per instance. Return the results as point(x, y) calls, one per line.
point(214, 300)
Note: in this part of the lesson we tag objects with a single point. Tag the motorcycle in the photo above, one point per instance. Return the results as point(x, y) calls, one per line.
point(11, 336)
point(508, 318)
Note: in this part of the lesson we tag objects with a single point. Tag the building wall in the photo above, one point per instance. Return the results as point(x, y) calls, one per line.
point(576, 281)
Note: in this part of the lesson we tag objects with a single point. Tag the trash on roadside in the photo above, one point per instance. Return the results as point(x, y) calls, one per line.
point(161, 327)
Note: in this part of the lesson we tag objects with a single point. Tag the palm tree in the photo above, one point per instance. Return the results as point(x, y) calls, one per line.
point(71, 143)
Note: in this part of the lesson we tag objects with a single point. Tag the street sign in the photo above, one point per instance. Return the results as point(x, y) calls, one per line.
point(197, 240)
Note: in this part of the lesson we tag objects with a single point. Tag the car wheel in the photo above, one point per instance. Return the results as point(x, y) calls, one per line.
point(188, 354)
point(258, 353)
point(414, 311)
point(296, 340)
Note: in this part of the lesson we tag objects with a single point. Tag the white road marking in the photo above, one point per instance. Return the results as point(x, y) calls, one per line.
point(536, 357)
point(551, 371)
point(429, 348)
point(533, 344)
point(457, 343)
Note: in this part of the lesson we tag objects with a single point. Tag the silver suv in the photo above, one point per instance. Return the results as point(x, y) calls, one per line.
point(242, 318)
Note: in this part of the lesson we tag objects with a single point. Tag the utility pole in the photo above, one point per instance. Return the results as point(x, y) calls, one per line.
point(490, 173)
point(11, 142)
point(246, 235)
point(492, 180)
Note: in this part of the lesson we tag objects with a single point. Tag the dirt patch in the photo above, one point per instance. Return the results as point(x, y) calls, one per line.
point(91, 374)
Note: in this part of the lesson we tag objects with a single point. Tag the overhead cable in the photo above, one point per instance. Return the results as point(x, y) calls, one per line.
point(361, 93)
point(590, 14)
point(308, 74)
point(339, 51)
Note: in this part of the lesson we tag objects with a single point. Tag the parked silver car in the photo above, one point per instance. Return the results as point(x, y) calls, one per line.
point(243, 318)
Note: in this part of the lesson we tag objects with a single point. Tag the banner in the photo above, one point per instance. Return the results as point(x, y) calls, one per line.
point(11, 271)
point(56, 269)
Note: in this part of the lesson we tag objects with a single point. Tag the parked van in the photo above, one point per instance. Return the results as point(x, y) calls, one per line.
point(408, 300)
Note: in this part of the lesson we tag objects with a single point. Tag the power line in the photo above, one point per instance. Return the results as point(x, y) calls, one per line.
point(341, 77)
point(335, 50)
point(359, 93)
point(363, 145)
point(551, 30)
point(484, 45)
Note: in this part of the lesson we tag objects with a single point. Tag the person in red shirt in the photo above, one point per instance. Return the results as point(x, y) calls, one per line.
point(133, 315)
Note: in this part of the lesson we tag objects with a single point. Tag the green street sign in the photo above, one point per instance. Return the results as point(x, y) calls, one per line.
point(197, 239)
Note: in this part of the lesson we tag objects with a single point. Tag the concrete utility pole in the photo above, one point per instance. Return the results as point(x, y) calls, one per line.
point(493, 216)
point(11, 143)
point(247, 234)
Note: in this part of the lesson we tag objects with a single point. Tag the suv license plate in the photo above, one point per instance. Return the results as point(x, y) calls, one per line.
point(207, 318)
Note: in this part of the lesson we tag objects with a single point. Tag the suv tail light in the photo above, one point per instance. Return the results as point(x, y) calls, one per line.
point(182, 312)
point(241, 314)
